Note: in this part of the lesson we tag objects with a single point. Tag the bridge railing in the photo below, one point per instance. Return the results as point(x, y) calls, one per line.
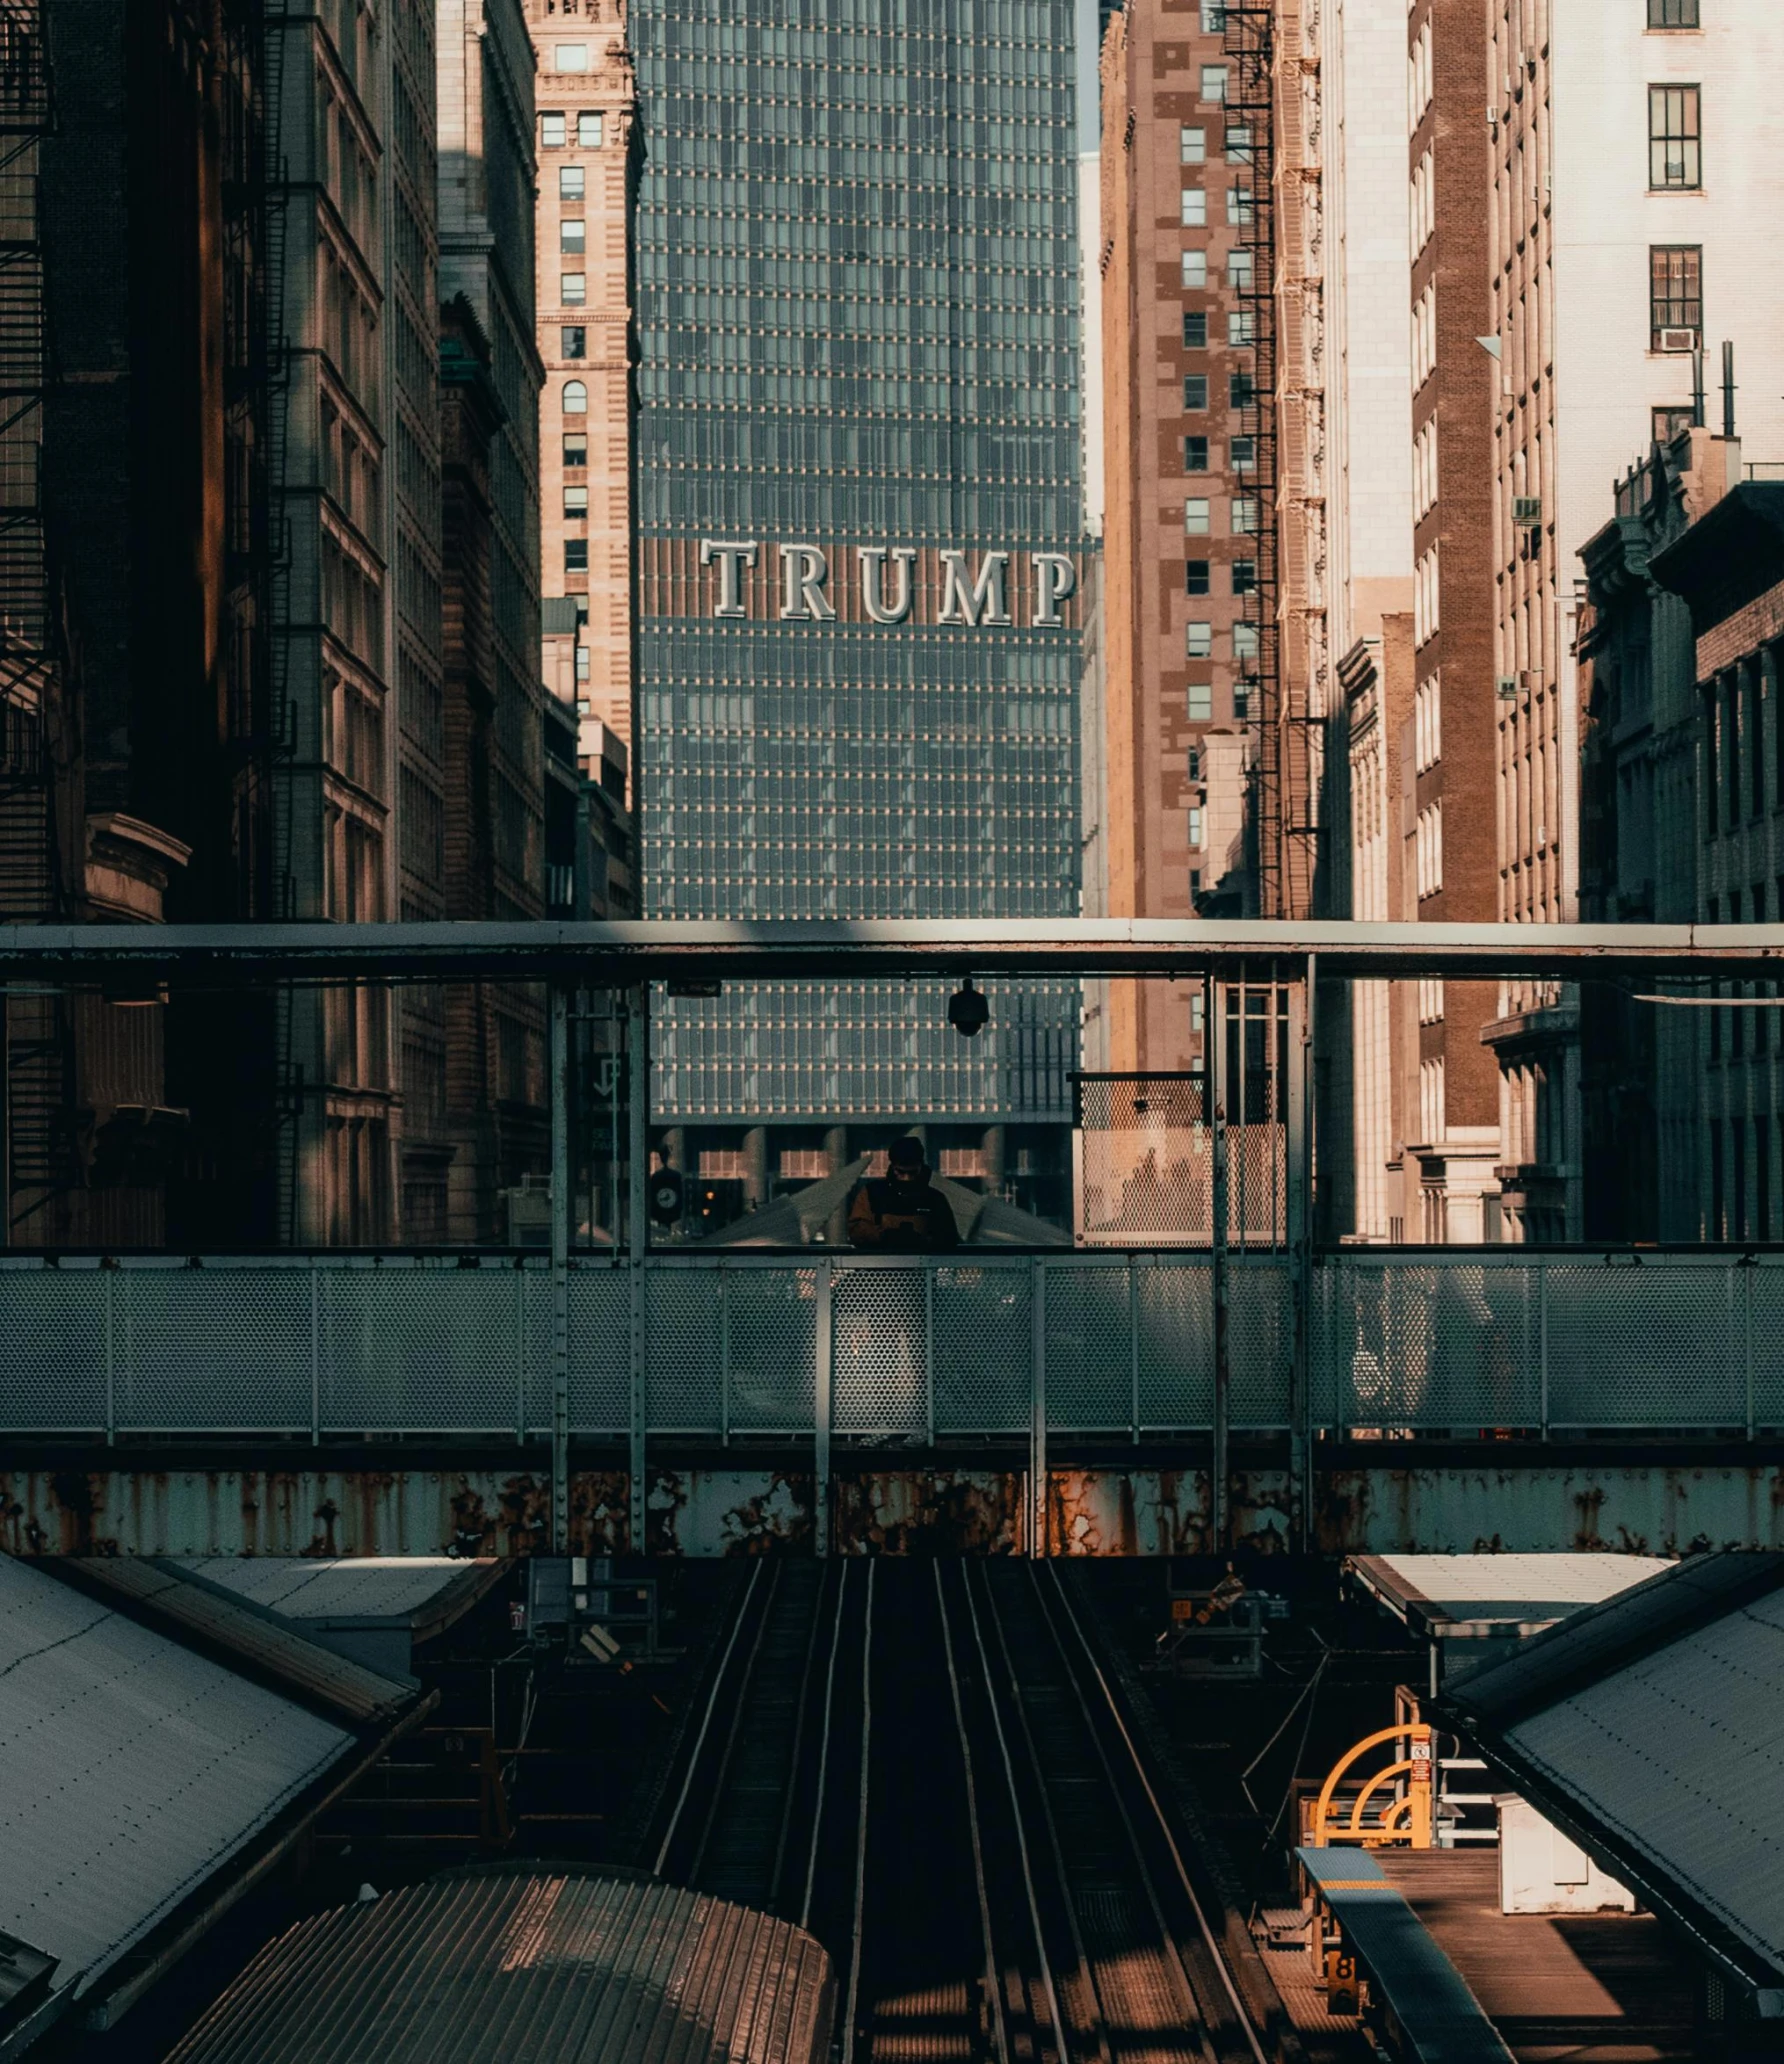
point(815, 1345)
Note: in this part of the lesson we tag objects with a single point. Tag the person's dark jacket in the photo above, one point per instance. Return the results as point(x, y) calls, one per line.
point(902, 1217)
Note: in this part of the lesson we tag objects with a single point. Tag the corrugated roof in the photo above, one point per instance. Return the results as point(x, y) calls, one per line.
point(1432, 1591)
point(1653, 1727)
point(545, 1964)
point(130, 1770)
point(261, 1638)
point(422, 1590)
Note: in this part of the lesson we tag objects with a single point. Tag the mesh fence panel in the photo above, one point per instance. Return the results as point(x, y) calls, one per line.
point(772, 1330)
point(600, 1351)
point(879, 1337)
point(1146, 1158)
point(534, 1348)
point(1089, 1345)
point(1647, 1346)
point(1765, 1286)
point(683, 1344)
point(213, 1349)
point(421, 1350)
point(52, 1370)
point(984, 1350)
point(1440, 1345)
point(1260, 1342)
point(1176, 1320)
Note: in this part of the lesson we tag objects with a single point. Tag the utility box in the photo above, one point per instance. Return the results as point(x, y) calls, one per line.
point(1542, 1871)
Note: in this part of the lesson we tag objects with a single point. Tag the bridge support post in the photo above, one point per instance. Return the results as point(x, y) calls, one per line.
point(821, 1383)
point(1215, 1043)
point(637, 1242)
point(1299, 1144)
point(560, 1271)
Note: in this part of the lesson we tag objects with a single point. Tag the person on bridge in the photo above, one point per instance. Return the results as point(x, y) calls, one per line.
point(902, 1212)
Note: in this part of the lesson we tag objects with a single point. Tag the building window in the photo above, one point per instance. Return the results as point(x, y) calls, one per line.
point(576, 502)
point(1244, 641)
point(572, 57)
point(571, 185)
point(1198, 641)
point(1245, 515)
point(1213, 17)
point(573, 236)
point(1675, 137)
point(591, 130)
point(1669, 423)
point(572, 343)
point(1238, 270)
point(1239, 211)
point(1240, 391)
point(1192, 144)
point(551, 131)
point(575, 448)
point(1195, 825)
point(576, 555)
point(1195, 330)
point(582, 662)
point(1241, 328)
point(575, 395)
point(1195, 518)
point(1195, 455)
point(1244, 576)
point(1427, 840)
point(1201, 701)
point(1672, 14)
point(1194, 208)
point(1193, 765)
point(1244, 455)
point(1214, 82)
point(1675, 296)
point(1195, 390)
point(1195, 269)
point(573, 288)
point(1195, 577)
point(1239, 147)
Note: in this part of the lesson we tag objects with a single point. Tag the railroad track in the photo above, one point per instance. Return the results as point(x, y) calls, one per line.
point(926, 1765)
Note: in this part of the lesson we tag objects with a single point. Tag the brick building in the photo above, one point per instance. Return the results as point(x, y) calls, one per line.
point(1182, 509)
point(587, 104)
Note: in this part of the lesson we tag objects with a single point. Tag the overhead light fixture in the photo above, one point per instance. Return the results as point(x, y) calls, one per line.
point(968, 1012)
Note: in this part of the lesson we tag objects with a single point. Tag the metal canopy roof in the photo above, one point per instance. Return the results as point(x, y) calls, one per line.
point(131, 1771)
point(1450, 1595)
point(1651, 1728)
point(550, 1964)
point(422, 1592)
point(620, 953)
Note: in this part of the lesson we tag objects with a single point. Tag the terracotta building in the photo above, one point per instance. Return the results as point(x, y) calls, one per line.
point(1181, 540)
point(587, 100)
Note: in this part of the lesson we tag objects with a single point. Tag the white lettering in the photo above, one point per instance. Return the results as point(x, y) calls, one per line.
point(731, 558)
point(804, 570)
point(983, 601)
point(1054, 579)
point(873, 582)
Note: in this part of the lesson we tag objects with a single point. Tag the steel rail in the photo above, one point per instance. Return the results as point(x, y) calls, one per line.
point(718, 1684)
point(1020, 1818)
point(616, 955)
point(1000, 2033)
point(817, 1812)
point(1243, 2013)
point(794, 1761)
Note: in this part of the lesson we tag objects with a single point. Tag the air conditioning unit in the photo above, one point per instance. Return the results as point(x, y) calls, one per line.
point(1507, 685)
point(1677, 340)
point(1526, 509)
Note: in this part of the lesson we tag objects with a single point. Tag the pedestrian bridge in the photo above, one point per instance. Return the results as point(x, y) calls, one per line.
point(1240, 1393)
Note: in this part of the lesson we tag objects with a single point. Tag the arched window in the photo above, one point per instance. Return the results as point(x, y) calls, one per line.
point(575, 398)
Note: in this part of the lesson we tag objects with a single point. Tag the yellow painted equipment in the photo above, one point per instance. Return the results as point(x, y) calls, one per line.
point(1403, 1816)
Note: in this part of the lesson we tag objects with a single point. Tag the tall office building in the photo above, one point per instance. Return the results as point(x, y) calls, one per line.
point(859, 514)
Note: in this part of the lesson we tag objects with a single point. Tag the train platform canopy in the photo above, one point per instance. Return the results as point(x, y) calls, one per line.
point(374, 1608)
point(155, 1761)
point(1488, 1596)
point(1650, 1729)
point(550, 1963)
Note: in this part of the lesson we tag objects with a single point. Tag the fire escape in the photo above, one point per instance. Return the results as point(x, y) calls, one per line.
point(37, 1154)
point(1284, 847)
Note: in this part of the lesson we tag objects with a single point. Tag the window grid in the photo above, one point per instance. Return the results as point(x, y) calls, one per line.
point(1675, 289)
point(1675, 137)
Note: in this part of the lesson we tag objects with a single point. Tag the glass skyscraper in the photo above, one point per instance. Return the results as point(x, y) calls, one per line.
point(860, 514)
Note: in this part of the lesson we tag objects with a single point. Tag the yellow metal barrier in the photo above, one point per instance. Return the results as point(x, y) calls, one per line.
point(1407, 1821)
